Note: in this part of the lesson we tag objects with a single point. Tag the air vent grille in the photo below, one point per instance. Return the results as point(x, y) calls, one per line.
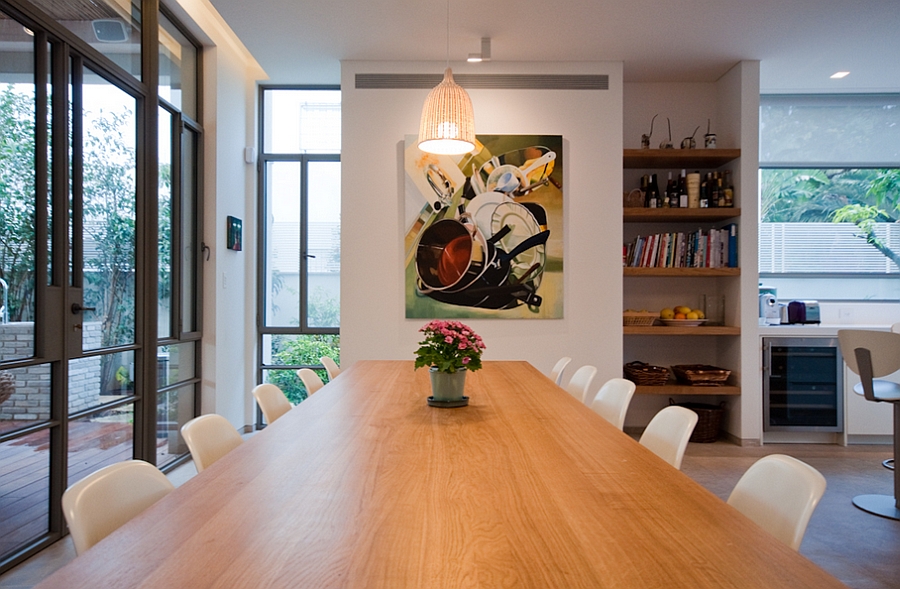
point(485, 81)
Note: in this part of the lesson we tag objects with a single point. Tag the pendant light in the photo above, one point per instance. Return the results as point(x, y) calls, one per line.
point(448, 121)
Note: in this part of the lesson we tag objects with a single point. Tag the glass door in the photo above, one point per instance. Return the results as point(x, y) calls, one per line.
point(70, 316)
point(101, 287)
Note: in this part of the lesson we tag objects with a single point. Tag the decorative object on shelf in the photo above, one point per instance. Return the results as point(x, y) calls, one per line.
point(234, 234)
point(667, 143)
point(633, 199)
point(643, 374)
point(645, 139)
point(709, 140)
point(448, 119)
point(709, 420)
point(701, 374)
point(638, 318)
point(690, 142)
point(450, 349)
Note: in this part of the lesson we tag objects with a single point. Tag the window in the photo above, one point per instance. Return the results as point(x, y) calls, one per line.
point(300, 209)
point(830, 196)
point(88, 376)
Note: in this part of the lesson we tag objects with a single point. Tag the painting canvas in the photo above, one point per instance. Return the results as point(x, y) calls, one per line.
point(484, 230)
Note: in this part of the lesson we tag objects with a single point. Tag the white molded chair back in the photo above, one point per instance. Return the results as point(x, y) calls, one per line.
point(103, 501)
point(581, 381)
point(883, 351)
point(272, 401)
point(331, 367)
point(780, 494)
point(209, 437)
point(557, 372)
point(311, 380)
point(612, 400)
point(668, 433)
point(884, 345)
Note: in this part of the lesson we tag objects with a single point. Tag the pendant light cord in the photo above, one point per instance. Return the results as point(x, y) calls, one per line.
point(448, 33)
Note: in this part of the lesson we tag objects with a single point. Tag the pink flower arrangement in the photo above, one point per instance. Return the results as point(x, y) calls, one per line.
point(449, 346)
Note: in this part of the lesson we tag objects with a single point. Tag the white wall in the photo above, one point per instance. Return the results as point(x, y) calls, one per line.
point(229, 188)
point(373, 324)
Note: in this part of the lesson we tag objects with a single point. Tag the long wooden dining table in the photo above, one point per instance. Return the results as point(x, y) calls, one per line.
point(365, 485)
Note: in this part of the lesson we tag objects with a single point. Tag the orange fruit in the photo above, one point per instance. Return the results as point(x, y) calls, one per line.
point(679, 316)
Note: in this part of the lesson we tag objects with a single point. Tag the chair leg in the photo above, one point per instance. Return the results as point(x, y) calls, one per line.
point(889, 463)
point(885, 505)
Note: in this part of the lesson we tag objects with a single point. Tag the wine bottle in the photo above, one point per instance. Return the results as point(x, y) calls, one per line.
point(682, 191)
point(729, 190)
point(653, 193)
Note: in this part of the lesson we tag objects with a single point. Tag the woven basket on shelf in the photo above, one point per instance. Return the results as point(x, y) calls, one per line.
point(639, 318)
point(701, 375)
point(709, 420)
point(644, 374)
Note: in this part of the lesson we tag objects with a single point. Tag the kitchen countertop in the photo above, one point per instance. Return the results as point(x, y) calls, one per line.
point(814, 330)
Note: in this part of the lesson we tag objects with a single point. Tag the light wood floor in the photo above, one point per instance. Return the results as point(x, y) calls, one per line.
point(862, 550)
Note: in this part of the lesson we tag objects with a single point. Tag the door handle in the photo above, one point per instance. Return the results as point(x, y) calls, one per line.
point(76, 309)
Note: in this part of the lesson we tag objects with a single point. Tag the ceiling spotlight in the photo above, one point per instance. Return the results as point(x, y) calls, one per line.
point(485, 54)
point(28, 31)
point(839, 75)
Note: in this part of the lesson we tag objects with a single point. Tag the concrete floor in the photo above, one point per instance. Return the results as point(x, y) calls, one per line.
point(860, 549)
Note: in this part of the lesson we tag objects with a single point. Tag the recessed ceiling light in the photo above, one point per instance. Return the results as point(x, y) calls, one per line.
point(839, 75)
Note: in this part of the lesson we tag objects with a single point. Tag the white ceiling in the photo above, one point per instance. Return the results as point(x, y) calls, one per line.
point(799, 43)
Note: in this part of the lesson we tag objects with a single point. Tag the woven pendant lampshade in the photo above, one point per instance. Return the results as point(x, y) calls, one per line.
point(448, 121)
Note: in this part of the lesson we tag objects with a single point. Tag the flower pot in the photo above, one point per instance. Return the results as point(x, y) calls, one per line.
point(447, 388)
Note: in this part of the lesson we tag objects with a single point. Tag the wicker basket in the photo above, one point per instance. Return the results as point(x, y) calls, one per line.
point(644, 374)
point(701, 375)
point(639, 318)
point(709, 420)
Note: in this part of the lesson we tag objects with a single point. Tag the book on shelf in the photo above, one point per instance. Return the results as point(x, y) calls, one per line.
point(703, 248)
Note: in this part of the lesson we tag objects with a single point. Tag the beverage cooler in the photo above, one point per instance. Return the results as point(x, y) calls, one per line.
point(802, 384)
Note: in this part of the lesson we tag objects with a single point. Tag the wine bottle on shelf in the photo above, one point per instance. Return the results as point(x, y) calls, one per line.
point(682, 191)
point(714, 190)
point(645, 192)
point(721, 193)
point(729, 189)
point(671, 199)
point(704, 192)
point(653, 193)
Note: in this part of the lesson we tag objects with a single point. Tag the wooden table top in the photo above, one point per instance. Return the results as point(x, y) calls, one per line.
point(364, 485)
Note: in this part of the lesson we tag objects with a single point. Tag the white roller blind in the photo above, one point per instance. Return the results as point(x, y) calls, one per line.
point(829, 130)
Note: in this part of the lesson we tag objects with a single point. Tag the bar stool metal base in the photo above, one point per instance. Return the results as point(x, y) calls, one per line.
point(889, 463)
point(883, 505)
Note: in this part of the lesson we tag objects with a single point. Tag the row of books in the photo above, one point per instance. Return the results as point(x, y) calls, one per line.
point(711, 248)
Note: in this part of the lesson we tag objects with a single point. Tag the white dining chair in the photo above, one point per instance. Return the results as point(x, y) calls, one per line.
point(311, 380)
point(612, 400)
point(581, 381)
point(668, 433)
point(209, 438)
point(331, 367)
point(779, 493)
point(557, 373)
point(103, 501)
point(272, 401)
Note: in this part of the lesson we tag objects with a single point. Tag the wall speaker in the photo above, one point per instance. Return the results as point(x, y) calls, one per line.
point(110, 30)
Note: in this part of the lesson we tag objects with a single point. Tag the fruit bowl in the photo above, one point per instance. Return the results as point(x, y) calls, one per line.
point(683, 322)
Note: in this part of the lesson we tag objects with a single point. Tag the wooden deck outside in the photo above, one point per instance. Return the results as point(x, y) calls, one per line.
point(25, 471)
